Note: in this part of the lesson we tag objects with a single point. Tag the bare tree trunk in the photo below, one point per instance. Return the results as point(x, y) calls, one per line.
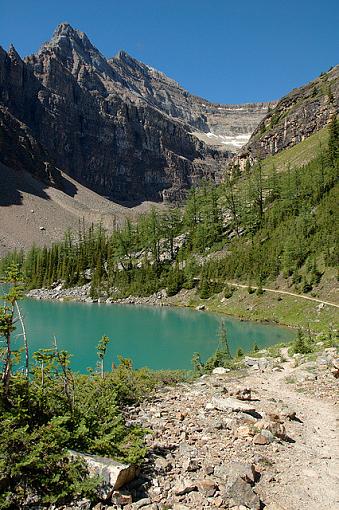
point(25, 340)
point(6, 376)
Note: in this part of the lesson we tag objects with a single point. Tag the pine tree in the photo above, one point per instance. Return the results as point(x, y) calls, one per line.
point(333, 142)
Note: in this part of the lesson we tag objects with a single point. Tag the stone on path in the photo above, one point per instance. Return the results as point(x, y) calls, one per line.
point(230, 404)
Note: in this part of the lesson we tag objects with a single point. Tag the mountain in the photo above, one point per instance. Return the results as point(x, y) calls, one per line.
point(226, 126)
point(117, 126)
point(295, 117)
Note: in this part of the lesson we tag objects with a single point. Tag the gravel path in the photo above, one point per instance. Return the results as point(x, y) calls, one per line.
point(309, 478)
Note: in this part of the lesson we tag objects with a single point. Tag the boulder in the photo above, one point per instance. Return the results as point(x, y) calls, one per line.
point(184, 486)
point(207, 486)
point(162, 465)
point(220, 371)
point(244, 431)
point(121, 498)
point(275, 427)
point(190, 465)
point(231, 471)
point(241, 493)
point(114, 474)
point(265, 437)
point(231, 404)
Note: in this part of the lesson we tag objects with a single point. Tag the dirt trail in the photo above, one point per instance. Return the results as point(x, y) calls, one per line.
point(309, 473)
point(286, 292)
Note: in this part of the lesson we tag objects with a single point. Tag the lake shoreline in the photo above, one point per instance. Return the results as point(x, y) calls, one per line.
point(183, 299)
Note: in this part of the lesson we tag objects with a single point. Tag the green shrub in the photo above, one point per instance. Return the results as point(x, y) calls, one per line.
point(34, 462)
point(301, 344)
point(228, 291)
point(240, 353)
point(259, 291)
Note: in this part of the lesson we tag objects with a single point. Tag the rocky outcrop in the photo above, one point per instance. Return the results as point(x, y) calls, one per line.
point(117, 126)
point(295, 117)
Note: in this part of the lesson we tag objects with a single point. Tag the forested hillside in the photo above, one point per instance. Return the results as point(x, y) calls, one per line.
point(271, 222)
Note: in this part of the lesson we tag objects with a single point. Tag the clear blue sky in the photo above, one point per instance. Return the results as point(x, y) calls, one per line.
point(225, 51)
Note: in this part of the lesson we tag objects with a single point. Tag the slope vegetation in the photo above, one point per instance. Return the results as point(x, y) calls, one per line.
point(269, 230)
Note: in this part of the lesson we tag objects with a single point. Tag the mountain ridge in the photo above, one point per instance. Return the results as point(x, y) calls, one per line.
point(123, 137)
point(296, 116)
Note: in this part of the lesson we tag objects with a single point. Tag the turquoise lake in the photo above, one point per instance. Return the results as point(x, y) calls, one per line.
point(157, 337)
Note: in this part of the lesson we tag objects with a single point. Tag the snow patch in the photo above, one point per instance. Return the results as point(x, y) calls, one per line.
point(234, 140)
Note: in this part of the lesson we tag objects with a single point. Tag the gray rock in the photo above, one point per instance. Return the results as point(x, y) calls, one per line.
point(190, 465)
point(231, 404)
point(114, 474)
point(241, 493)
point(231, 471)
point(220, 371)
point(141, 503)
point(184, 486)
point(263, 438)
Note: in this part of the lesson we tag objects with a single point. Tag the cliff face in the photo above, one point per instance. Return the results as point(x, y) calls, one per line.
point(117, 126)
point(221, 125)
point(19, 146)
point(295, 117)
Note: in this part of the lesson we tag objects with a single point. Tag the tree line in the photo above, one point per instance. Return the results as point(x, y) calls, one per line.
point(260, 225)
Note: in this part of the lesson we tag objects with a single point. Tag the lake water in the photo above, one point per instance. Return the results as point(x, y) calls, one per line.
point(157, 337)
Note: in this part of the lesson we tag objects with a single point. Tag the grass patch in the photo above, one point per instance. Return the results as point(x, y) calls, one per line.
point(297, 155)
point(273, 308)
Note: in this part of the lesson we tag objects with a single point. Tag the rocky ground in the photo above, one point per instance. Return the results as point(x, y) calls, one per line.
point(260, 437)
point(34, 213)
point(82, 294)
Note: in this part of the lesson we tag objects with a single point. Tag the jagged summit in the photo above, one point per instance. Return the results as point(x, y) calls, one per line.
point(72, 49)
point(13, 53)
point(65, 30)
point(67, 39)
point(123, 55)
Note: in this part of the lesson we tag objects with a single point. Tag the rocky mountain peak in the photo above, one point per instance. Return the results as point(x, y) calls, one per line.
point(65, 28)
point(66, 34)
point(13, 54)
point(71, 46)
point(123, 56)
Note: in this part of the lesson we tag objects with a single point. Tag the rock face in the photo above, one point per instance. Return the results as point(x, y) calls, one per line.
point(117, 126)
point(19, 146)
point(295, 117)
point(222, 125)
